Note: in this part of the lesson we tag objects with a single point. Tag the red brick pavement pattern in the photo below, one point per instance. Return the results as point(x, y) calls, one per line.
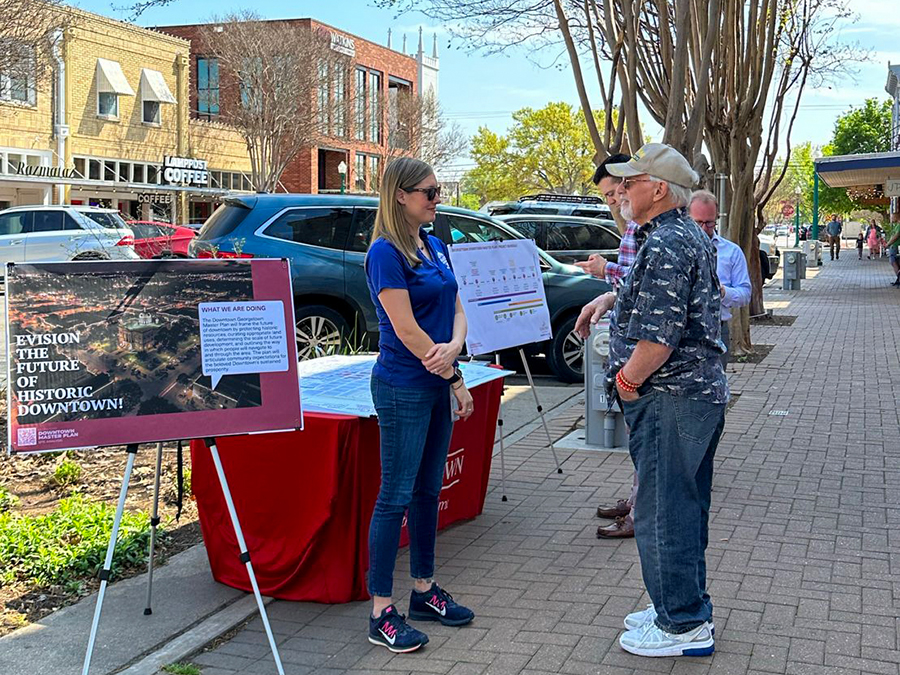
point(804, 552)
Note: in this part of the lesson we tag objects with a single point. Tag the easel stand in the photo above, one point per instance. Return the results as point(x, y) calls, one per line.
point(154, 522)
point(540, 410)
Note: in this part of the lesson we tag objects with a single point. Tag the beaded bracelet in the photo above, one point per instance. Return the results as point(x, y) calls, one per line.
point(625, 384)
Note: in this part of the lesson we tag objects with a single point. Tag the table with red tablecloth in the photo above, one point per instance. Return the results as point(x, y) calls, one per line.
point(305, 498)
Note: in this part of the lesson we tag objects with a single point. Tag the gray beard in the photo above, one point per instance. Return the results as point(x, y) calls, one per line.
point(626, 211)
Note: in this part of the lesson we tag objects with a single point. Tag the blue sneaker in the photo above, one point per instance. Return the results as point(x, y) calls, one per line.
point(436, 604)
point(391, 630)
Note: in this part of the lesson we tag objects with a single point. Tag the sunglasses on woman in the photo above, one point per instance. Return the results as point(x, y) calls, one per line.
point(429, 192)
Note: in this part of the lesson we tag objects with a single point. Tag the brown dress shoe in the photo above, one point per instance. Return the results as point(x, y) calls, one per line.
point(621, 529)
point(620, 510)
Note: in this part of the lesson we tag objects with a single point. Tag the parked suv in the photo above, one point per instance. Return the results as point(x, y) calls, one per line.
point(59, 233)
point(588, 206)
point(568, 238)
point(326, 237)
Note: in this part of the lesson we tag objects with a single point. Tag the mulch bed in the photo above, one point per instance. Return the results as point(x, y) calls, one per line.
point(28, 478)
point(773, 320)
point(759, 353)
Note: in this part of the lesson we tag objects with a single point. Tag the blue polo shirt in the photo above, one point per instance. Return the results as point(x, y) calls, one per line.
point(432, 294)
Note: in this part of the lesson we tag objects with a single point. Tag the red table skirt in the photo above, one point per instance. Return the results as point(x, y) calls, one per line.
point(305, 498)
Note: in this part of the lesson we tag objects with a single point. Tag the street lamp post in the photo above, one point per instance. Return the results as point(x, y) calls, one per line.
point(342, 169)
point(797, 192)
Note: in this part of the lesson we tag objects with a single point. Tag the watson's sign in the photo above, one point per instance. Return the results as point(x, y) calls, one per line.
point(185, 171)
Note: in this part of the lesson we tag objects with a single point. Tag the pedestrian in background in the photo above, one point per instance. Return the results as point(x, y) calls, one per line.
point(598, 266)
point(874, 242)
point(422, 330)
point(731, 265)
point(892, 247)
point(834, 229)
point(664, 358)
point(860, 242)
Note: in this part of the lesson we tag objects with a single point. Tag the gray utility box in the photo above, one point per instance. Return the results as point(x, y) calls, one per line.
point(813, 252)
point(602, 429)
point(793, 264)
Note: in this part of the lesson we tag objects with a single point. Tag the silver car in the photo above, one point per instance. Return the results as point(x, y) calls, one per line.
point(30, 234)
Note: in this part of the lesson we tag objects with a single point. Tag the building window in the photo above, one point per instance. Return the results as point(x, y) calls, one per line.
point(360, 121)
point(107, 104)
point(340, 101)
point(374, 173)
point(375, 107)
point(207, 87)
point(322, 99)
point(359, 172)
point(79, 166)
point(151, 112)
point(111, 84)
point(17, 82)
point(138, 173)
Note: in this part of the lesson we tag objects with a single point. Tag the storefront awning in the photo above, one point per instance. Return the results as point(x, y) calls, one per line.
point(154, 87)
point(111, 79)
point(848, 171)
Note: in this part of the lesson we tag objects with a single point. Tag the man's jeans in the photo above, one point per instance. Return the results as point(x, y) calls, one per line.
point(834, 241)
point(672, 443)
point(415, 425)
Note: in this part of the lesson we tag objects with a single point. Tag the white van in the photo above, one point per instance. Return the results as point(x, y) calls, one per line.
point(31, 234)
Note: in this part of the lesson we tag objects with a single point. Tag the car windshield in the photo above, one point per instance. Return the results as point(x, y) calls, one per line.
point(107, 219)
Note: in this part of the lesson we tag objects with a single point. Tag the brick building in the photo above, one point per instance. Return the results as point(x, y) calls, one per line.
point(96, 127)
point(369, 83)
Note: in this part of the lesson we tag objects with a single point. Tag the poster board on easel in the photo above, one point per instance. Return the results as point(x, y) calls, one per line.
point(501, 289)
point(105, 353)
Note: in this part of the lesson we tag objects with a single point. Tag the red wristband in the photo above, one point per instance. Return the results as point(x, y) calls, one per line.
point(625, 384)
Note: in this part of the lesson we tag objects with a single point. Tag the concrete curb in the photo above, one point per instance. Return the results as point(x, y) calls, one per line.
point(197, 637)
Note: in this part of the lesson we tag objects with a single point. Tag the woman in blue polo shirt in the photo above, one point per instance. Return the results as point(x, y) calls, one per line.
point(415, 385)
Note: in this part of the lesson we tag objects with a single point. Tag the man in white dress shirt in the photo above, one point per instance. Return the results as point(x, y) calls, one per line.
point(731, 265)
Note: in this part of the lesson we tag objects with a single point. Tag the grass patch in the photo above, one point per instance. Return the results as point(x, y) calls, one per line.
point(67, 473)
point(7, 499)
point(68, 545)
point(182, 669)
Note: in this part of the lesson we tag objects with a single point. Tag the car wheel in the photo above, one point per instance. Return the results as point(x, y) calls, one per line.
point(566, 354)
point(320, 331)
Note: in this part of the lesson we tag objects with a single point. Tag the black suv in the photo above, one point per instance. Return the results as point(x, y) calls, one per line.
point(326, 237)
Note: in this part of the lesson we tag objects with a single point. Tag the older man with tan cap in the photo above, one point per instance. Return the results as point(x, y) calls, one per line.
point(664, 360)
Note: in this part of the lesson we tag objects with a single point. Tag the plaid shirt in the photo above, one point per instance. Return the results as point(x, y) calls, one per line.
point(628, 249)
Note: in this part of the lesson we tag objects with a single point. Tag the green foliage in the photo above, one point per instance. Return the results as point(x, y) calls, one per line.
point(182, 669)
point(468, 200)
point(67, 472)
point(858, 131)
point(546, 150)
point(69, 544)
point(7, 500)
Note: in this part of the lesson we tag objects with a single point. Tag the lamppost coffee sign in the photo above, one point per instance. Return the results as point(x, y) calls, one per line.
point(185, 171)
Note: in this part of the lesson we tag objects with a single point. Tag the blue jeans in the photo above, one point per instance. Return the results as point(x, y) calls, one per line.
point(672, 443)
point(415, 425)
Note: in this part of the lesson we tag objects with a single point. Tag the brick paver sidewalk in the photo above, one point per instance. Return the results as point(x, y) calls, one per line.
point(804, 553)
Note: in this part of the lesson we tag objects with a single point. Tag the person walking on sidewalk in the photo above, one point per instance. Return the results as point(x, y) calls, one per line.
point(892, 247)
point(834, 229)
point(875, 238)
point(614, 273)
point(860, 242)
point(665, 351)
point(422, 330)
point(731, 265)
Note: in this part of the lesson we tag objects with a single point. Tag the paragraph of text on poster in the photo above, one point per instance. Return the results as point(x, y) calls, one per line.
point(242, 337)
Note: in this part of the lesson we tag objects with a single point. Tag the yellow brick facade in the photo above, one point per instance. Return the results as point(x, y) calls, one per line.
point(127, 139)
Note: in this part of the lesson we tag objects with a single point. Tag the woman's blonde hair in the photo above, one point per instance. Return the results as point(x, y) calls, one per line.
point(390, 223)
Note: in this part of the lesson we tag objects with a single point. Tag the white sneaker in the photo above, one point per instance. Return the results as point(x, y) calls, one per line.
point(638, 619)
point(649, 640)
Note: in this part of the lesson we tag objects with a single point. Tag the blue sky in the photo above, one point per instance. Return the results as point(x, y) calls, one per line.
point(483, 90)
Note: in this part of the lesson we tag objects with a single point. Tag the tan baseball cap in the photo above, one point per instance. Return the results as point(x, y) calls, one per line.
point(660, 161)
